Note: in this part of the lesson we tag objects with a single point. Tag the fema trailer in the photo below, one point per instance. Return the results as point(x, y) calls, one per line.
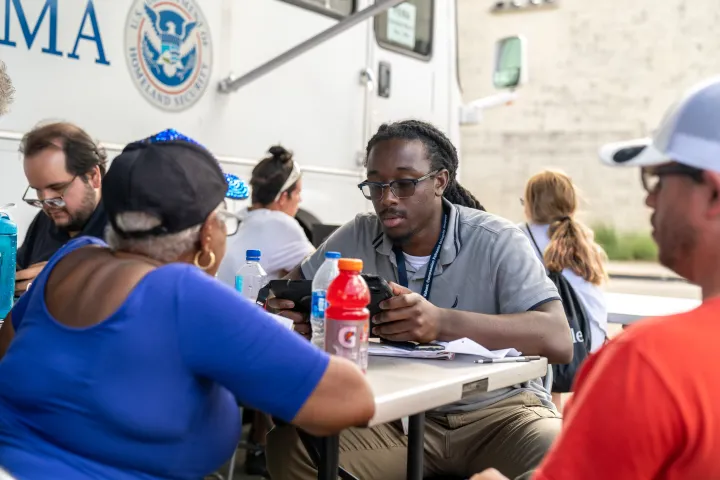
point(317, 76)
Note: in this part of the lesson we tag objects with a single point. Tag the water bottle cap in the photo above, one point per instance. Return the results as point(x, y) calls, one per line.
point(351, 264)
point(333, 255)
point(252, 255)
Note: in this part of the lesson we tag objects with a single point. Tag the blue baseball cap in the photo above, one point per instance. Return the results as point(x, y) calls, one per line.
point(689, 133)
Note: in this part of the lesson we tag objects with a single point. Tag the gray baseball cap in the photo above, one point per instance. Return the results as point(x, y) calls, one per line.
point(689, 134)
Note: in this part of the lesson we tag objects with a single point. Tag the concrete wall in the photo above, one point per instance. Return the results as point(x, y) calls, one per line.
point(600, 71)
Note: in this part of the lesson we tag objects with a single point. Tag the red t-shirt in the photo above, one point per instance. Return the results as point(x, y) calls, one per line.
point(646, 406)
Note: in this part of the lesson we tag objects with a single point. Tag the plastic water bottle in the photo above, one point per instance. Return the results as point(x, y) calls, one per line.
point(347, 319)
point(251, 277)
point(8, 255)
point(323, 277)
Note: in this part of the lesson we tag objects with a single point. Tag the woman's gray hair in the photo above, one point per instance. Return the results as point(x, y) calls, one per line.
point(163, 248)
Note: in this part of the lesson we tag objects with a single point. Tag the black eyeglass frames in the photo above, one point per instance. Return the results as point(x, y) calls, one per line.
point(402, 188)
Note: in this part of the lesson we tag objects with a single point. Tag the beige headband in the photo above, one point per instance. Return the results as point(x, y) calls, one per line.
point(294, 176)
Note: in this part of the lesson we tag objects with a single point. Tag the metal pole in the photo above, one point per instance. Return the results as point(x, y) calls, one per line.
point(329, 458)
point(416, 447)
point(231, 84)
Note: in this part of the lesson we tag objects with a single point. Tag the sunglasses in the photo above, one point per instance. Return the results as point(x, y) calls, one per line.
point(402, 188)
point(651, 177)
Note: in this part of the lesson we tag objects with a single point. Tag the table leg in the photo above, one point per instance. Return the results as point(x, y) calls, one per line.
point(329, 458)
point(416, 447)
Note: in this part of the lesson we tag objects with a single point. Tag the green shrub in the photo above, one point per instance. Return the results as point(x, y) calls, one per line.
point(625, 246)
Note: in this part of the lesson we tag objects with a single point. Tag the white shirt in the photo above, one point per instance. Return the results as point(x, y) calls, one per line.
point(279, 237)
point(591, 296)
point(416, 262)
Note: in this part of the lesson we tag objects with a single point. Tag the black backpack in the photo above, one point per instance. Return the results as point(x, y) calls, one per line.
point(563, 375)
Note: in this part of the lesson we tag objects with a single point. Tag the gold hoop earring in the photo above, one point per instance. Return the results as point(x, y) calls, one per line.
point(210, 264)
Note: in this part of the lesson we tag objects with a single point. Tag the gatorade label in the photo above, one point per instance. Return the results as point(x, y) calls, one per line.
point(238, 283)
point(348, 339)
point(319, 304)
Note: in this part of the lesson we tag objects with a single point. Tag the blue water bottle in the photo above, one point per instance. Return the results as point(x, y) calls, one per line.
point(8, 254)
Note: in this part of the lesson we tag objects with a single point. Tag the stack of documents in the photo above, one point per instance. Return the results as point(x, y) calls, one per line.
point(439, 350)
point(385, 350)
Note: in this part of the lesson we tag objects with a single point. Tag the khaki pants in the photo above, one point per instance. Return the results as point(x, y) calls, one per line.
point(512, 435)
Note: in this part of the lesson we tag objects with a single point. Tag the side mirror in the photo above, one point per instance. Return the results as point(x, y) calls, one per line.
point(510, 63)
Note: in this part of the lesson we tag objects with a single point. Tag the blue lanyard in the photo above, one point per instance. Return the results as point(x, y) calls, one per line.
point(427, 283)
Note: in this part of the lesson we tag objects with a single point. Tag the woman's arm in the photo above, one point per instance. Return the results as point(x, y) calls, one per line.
point(341, 399)
point(234, 342)
point(13, 320)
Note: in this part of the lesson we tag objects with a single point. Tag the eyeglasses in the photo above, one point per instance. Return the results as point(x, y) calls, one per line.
point(55, 202)
point(651, 177)
point(403, 188)
point(231, 221)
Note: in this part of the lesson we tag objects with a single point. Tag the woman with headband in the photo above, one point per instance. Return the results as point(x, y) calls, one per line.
point(269, 224)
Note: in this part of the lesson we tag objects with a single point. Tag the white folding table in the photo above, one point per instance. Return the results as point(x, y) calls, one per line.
point(409, 387)
point(627, 308)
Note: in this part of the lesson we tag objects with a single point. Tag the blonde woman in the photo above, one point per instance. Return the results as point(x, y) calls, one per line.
point(550, 203)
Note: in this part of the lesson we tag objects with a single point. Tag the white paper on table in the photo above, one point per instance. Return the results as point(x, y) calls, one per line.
point(468, 347)
point(382, 350)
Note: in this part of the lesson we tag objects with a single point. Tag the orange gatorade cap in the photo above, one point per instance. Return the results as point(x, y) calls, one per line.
point(351, 264)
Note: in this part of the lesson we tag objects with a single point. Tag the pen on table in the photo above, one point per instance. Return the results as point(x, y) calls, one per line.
point(509, 359)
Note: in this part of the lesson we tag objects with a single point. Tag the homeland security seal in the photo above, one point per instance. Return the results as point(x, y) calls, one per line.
point(169, 52)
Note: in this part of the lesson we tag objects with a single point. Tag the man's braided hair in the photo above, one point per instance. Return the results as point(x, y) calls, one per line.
point(440, 150)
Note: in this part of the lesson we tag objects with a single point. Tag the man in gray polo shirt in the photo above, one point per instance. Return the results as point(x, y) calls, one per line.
point(484, 283)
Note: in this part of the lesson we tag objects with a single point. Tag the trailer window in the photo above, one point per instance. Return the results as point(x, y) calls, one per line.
point(333, 8)
point(407, 27)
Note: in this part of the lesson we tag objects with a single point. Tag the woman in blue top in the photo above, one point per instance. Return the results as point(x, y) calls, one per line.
point(125, 361)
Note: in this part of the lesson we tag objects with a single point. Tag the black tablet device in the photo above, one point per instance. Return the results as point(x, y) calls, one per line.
point(300, 292)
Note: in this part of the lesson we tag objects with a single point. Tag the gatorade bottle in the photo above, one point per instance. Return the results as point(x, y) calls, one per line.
point(347, 319)
point(8, 254)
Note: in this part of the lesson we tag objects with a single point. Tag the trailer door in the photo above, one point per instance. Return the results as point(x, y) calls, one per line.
point(409, 51)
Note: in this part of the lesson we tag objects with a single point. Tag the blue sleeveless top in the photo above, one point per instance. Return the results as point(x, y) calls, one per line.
point(150, 392)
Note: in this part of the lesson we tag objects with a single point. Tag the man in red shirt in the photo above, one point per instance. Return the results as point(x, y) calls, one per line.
point(647, 405)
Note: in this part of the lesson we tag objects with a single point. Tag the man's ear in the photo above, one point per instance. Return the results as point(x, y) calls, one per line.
point(441, 182)
point(712, 180)
point(95, 178)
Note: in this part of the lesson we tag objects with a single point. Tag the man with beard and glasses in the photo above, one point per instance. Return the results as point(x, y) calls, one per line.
point(64, 168)
point(462, 273)
point(646, 406)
